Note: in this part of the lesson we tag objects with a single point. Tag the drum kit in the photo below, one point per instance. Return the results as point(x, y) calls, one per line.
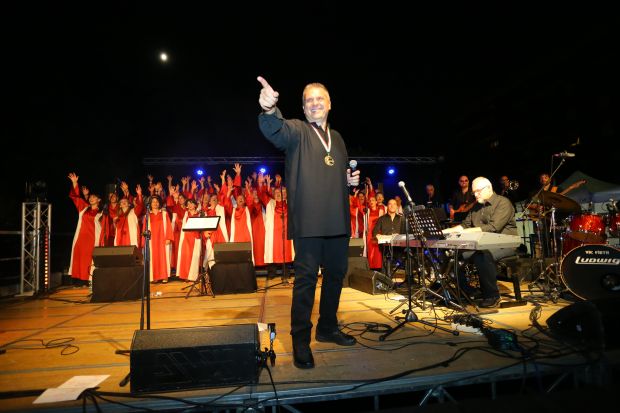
point(582, 261)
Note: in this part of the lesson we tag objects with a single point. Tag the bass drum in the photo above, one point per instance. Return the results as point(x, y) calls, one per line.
point(592, 272)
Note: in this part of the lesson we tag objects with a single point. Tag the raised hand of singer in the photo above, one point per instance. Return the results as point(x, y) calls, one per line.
point(268, 97)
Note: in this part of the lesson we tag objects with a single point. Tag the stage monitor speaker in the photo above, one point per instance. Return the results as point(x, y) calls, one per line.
point(356, 247)
point(355, 263)
point(117, 284)
point(232, 252)
point(592, 324)
point(233, 278)
point(196, 357)
point(371, 282)
point(126, 256)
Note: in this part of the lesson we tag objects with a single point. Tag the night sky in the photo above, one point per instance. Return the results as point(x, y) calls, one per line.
point(491, 92)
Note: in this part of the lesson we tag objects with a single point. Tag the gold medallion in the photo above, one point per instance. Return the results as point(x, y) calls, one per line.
point(329, 161)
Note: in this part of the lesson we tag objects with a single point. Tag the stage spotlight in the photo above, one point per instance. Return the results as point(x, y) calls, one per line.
point(391, 170)
point(262, 170)
point(163, 56)
point(200, 172)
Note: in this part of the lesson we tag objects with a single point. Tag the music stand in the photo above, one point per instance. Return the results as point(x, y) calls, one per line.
point(422, 224)
point(429, 225)
point(201, 224)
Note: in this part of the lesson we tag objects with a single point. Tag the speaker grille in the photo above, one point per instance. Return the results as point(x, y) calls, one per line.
point(201, 357)
point(123, 256)
point(232, 252)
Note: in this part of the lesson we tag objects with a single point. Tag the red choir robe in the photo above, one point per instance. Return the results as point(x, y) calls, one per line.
point(372, 251)
point(277, 249)
point(357, 217)
point(226, 203)
point(109, 228)
point(258, 230)
point(220, 235)
point(87, 236)
point(159, 252)
point(190, 245)
point(128, 227)
point(240, 225)
point(177, 212)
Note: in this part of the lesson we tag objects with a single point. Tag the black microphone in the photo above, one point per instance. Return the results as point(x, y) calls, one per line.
point(402, 186)
point(564, 154)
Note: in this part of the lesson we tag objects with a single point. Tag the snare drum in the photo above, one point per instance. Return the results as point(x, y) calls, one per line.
point(588, 228)
point(592, 272)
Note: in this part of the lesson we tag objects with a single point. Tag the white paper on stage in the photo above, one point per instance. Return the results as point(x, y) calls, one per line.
point(202, 223)
point(71, 389)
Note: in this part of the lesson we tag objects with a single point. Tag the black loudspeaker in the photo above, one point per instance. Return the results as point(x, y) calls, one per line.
point(355, 263)
point(525, 269)
point(371, 282)
point(356, 247)
point(232, 252)
point(117, 284)
point(592, 324)
point(128, 256)
point(197, 357)
point(233, 277)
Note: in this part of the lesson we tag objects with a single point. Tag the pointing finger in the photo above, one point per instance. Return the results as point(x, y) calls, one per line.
point(264, 83)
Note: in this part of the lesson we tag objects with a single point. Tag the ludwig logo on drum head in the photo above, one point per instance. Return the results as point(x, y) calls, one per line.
point(596, 261)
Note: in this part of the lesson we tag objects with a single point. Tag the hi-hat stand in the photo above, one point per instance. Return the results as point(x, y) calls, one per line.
point(409, 315)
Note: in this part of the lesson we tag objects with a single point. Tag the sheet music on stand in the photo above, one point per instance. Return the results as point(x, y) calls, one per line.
point(202, 223)
point(428, 222)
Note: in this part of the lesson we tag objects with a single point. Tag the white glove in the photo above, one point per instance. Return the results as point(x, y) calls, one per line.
point(353, 179)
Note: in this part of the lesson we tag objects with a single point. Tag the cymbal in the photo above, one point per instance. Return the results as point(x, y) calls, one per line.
point(560, 202)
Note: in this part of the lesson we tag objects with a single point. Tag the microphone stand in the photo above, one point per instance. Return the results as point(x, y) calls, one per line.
point(146, 286)
point(146, 290)
point(543, 245)
point(284, 272)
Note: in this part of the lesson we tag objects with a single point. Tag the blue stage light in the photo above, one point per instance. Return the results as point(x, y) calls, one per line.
point(199, 172)
point(391, 170)
point(262, 170)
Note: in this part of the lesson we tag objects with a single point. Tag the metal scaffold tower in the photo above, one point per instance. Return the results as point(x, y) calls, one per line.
point(35, 251)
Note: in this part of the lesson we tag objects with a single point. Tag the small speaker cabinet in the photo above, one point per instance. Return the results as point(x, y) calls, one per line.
point(197, 357)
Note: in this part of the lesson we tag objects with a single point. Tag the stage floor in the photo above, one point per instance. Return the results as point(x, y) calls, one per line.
point(50, 339)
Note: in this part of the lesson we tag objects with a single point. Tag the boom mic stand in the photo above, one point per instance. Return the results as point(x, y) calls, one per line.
point(146, 289)
point(284, 272)
point(549, 291)
point(410, 315)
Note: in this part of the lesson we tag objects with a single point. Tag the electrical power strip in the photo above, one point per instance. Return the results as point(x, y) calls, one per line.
point(466, 329)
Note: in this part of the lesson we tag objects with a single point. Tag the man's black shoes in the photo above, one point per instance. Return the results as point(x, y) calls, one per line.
point(302, 356)
point(337, 337)
point(489, 302)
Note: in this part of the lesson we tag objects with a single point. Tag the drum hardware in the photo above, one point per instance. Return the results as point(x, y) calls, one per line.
point(549, 279)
